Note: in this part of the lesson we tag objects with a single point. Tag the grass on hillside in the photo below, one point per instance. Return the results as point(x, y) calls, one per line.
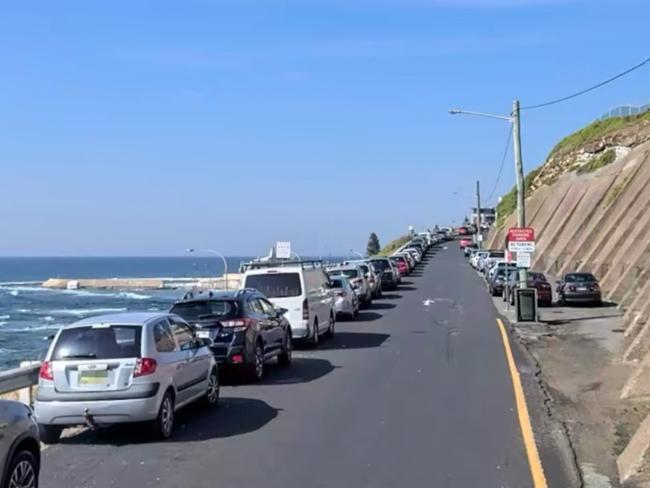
point(615, 191)
point(392, 246)
point(597, 130)
point(508, 203)
point(605, 158)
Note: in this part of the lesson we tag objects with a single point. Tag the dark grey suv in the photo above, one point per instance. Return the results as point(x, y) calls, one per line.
point(245, 328)
point(20, 452)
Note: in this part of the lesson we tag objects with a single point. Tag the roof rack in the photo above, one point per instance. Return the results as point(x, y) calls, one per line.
point(279, 263)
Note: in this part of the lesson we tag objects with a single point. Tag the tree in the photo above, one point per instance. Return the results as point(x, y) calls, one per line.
point(373, 245)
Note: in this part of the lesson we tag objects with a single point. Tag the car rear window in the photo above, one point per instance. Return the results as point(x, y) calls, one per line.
point(276, 285)
point(381, 264)
point(205, 309)
point(364, 268)
point(336, 282)
point(497, 254)
point(580, 278)
point(98, 342)
point(536, 276)
point(349, 273)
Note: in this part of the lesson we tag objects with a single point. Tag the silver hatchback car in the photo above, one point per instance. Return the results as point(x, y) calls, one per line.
point(130, 367)
point(20, 451)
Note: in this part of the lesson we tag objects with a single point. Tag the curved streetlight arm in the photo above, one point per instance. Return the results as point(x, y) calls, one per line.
point(216, 253)
point(456, 111)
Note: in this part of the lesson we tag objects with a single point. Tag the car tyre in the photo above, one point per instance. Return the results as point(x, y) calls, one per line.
point(256, 372)
point(50, 434)
point(23, 470)
point(163, 425)
point(314, 338)
point(330, 329)
point(211, 398)
point(284, 358)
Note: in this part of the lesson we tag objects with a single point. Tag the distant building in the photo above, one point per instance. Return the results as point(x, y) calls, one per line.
point(488, 215)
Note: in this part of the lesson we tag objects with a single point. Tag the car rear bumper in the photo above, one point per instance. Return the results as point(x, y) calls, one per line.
point(582, 297)
point(102, 412)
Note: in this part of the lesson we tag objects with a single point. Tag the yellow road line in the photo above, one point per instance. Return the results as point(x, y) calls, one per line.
point(536, 470)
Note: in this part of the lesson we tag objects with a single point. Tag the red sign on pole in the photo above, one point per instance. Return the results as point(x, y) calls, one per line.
point(521, 234)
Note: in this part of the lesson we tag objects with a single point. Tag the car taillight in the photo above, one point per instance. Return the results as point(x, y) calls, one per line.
point(144, 366)
point(305, 309)
point(595, 287)
point(45, 373)
point(243, 322)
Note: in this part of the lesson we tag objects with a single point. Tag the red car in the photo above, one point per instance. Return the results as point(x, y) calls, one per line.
point(535, 280)
point(464, 242)
point(462, 231)
point(401, 264)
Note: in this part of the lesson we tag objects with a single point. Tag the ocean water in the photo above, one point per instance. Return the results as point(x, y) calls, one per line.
point(30, 314)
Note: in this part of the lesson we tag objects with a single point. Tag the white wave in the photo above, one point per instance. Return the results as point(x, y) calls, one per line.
point(14, 293)
point(3, 323)
point(5, 317)
point(48, 318)
point(24, 310)
point(81, 312)
point(133, 296)
point(32, 329)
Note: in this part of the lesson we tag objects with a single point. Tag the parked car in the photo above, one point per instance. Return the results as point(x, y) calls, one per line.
point(462, 231)
point(129, 367)
point(494, 255)
point(374, 281)
point(246, 330)
point(469, 248)
point(401, 264)
point(301, 287)
point(415, 254)
point(409, 258)
point(477, 257)
point(387, 272)
point(357, 279)
point(578, 288)
point(536, 280)
point(464, 242)
point(497, 281)
point(20, 449)
point(347, 301)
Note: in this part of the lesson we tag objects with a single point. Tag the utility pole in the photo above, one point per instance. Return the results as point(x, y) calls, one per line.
point(519, 173)
point(479, 230)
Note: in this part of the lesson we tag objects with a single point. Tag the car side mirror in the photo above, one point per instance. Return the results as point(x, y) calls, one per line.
point(280, 311)
point(203, 342)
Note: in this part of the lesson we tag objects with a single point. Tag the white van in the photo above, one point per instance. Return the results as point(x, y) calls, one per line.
point(303, 288)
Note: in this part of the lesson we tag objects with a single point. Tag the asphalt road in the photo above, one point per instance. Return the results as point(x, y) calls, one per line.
point(415, 393)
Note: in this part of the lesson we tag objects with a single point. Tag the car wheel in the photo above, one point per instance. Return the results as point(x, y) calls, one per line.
point(212, 395)
point(23, 471)
point(284, 358)
point(163, 425)
point(330, 329)
point(257, 368)
point(50, 434)
point(314, 337)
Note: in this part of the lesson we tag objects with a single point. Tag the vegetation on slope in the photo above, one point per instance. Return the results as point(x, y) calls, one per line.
point(595, 131)
point(605, 158)
point(508, 203)
point(393, 246)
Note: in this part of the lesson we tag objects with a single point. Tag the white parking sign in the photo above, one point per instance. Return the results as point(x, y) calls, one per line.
point(523, 259)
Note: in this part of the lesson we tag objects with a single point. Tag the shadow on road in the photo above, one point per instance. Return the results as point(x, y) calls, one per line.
point(354, 340)
point(407, 288)
point(367, 316)
point(382, 306)
point(302, 370)
point(391, 296)
point(233, 416)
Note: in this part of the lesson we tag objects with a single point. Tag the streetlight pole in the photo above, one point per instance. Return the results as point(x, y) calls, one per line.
point(514, 119)
point(356, 253)
point(216, 253)
point(479, 230)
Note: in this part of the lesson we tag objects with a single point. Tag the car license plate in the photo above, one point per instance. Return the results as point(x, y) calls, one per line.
point(93, 377)
point(582, 288)
point(203, 334)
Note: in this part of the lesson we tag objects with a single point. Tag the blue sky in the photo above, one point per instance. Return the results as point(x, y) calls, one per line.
point(136, 128)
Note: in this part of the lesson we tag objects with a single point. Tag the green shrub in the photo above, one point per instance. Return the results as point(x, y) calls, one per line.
point(605, 158)
point(393, 246)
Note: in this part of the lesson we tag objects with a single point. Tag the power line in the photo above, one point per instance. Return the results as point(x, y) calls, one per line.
point(503, 160)
point(582, 92)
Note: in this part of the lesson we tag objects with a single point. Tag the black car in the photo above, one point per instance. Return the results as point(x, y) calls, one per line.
point(245, 328)
point(498, 280)
point(578, 288)
point(384, 268)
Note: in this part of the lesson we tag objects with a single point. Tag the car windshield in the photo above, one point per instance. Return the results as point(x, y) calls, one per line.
point(98, 342)
point(364, 268)
point(275, 285)
point(203, 309)
point(580, 278)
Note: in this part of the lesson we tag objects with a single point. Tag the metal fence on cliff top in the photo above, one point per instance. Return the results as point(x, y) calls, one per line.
point(625, 111)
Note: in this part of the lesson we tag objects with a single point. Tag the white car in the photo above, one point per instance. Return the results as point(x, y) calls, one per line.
point(301, 287)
